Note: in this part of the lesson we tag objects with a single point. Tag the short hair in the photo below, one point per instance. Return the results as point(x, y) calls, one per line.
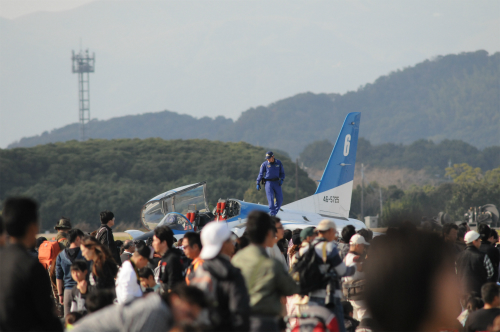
point(489, 291)
point(462, 230)
point(145, 272)
point(474, 303)
point(485, 231)
point(241, 242)
point(18, 214)
point(73, 317)
point(79, 265)
point(164, 233)
point(258, 225)
point(74, 234)
point(99, 298)
point(127, 244)
point(347, 232)
point(366, 233)
point(39, 241)
point(448, 227)
point(189, 294)
point(288, 234)
point(106, 216)
point(348, 308)
point(275, 220)
point(193, 238)
point(494, 234)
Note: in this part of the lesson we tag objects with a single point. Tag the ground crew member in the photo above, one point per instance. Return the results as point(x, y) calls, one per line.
point(272, 174)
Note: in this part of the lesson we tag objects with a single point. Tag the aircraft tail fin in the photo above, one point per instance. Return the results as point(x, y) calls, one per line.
point(333, 195)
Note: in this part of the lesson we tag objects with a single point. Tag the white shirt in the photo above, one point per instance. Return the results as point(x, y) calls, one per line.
point(127, 287)
point(349, 260)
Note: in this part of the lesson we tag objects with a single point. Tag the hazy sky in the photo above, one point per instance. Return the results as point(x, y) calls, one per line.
point(210, 58)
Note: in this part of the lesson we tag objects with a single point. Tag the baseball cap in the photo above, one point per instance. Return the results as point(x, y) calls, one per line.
point(145, 251)
point(358, 239)
point(269, 154)
point(471, 236)
point(213, 236)
point(309, 231)
point(325, 225)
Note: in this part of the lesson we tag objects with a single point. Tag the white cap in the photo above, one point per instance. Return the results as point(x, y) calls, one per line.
point(471, 236)
point(358, 239)
point(213, 235)
point(325, 225)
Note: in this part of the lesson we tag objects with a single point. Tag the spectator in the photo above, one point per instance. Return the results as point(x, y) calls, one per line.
point(62, 228)
point(265, 278)
point(325, 248)
point(105, 234)
point(63, 268)
point(71, 319)
point(288, 236)
point(462, 230)
point(366, 233)
point(128, 250)
point(241, 243)
point(151, 313)
point(488, 247)
point(450, 236)
point(343, 246)
point(171, 266)
point(481, 319)
point(127, 285)
point(296, 245)
point(104, 268)
point(274, 251)
point(25, 292)
point(350, 323)
point(147, 280)
point(474, 267)
point(222, 283)
point(79, 292)
point(308, 235)
point(39, 241)
point(410, 283)
point(355, 256)
point(191, 244)
point(3, 233)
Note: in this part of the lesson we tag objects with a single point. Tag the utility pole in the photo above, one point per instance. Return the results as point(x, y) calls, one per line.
point(297, 179)
point(362, 192)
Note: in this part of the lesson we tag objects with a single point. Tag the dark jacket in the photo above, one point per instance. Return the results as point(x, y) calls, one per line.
point(470, 269)
point(233, 303)
point(25, 302)
point(494, 255)
point(105, 277)
point(63, 266)
point(171, 269)
point(105, 236)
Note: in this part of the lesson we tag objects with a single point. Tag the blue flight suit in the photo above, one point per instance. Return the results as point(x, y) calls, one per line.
point(272, 173)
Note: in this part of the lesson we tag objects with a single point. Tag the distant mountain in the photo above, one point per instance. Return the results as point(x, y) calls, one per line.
point(454, 97)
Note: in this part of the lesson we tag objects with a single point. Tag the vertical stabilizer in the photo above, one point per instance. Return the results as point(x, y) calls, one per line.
point(333, 195)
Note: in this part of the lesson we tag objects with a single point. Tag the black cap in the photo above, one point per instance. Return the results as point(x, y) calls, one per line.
point(269, 154)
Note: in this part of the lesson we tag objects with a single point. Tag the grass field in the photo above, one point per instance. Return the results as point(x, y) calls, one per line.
point(118, 236)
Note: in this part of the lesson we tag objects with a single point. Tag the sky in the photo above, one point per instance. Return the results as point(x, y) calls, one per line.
point(211, 58)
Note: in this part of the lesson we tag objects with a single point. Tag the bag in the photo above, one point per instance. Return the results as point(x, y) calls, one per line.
point(48, 251)
point(308, 267)
point(353, 290)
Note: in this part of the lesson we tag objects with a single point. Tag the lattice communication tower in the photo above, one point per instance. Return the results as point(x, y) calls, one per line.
point(83, 64)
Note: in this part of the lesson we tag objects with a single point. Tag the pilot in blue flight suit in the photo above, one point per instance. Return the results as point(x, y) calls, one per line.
point(272, 173)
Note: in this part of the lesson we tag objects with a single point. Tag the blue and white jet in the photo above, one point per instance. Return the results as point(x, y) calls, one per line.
point(185, 209)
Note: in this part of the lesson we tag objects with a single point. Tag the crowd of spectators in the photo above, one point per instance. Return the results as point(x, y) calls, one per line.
point(269, 279)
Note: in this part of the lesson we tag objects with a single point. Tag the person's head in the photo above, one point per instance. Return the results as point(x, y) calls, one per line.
point(98, 299)
point(280, 231)
point(94, 251)
point(472, 238)
point(347, 308)
point(107, 218)
point(129, 246)
point(450, 232)
point(484, 232)
point(142, 255)
point(3, 233)
point(288, 234)
point(186, 303)
point(191, 243)
point(75, 237)
point(241, 242)
point(366, 233)
point(147, 277)
point(358, 244)
point(270, 156)
point(79, 270)
point(474, 303)
point(347, 232)
point(327, 230)
point(462, 230)
point(259, 228)
point(21, 220)
point(72, 317)
point(214, 237)
point(410, 282)
point(63, 225)
point(490, 293)
point(494, 236)
point(307, 234)
point(163, 239)
point(39, 242)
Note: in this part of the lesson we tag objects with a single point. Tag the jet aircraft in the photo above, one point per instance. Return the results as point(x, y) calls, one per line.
point(185, 209)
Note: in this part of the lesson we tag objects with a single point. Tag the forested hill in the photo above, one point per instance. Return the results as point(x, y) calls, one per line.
point(80, 179)
point(449, 97)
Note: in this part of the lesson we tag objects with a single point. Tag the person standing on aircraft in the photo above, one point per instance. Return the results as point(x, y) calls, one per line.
point(272, 174)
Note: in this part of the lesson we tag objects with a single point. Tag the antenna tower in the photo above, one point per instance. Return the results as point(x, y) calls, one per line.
point(83, 64)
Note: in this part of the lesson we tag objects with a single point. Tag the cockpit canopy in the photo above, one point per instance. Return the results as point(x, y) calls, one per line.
point(179, 200)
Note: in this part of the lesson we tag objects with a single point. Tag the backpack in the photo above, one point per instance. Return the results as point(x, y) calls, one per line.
point(308, 268)
point(48, 251)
